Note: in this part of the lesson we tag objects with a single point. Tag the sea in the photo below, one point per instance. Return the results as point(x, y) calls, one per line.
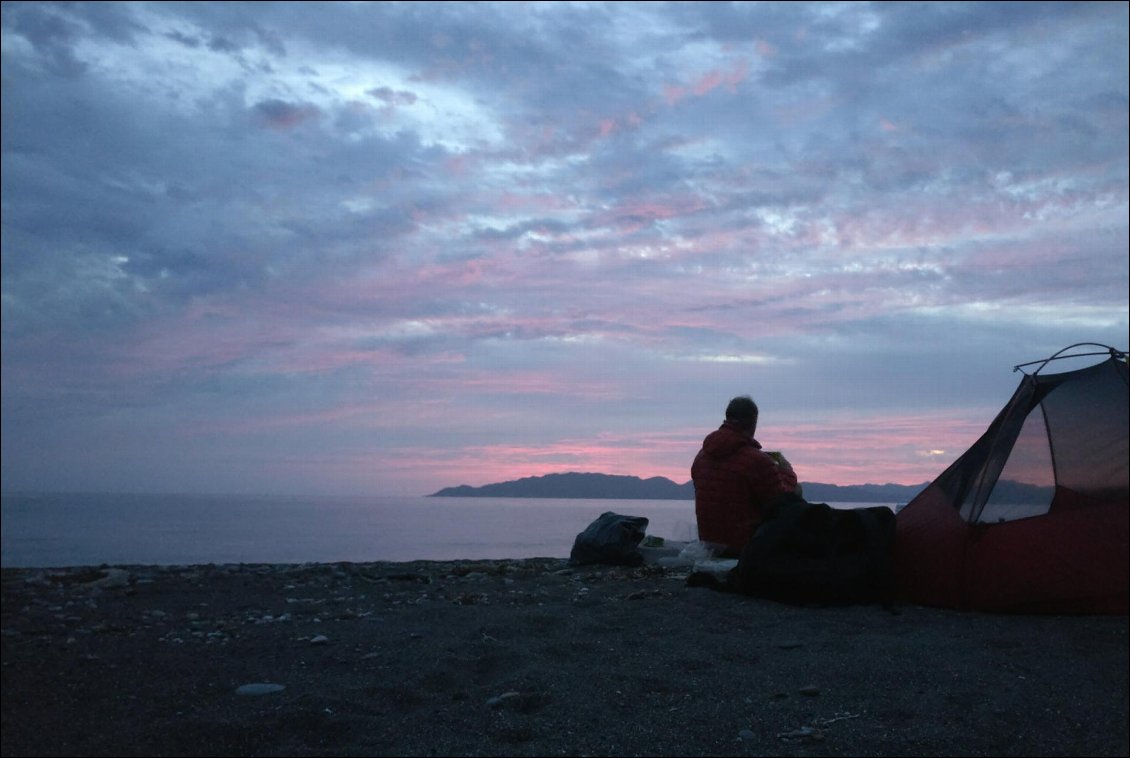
point(57, 530)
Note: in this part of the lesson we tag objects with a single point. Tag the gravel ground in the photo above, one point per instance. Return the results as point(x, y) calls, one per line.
point(530, 657)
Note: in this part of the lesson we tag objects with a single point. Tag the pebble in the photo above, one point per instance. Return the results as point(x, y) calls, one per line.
point(746, 735)
point(495, 702)
point(804, 734)
point(112, 577)
point(321, 639)
point(809, 691)
point(259, 688)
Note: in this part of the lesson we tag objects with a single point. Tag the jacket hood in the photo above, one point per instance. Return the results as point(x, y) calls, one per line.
point(728, 438)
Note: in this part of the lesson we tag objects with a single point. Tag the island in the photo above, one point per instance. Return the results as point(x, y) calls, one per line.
point(593, 486)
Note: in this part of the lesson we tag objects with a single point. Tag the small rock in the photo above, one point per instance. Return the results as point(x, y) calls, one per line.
point(114, 577)
point(259, 688)
point(746, 735)
point(320, 639)
point(809, 691)
point(40, 579)
point(495, 702)
point(804, 734)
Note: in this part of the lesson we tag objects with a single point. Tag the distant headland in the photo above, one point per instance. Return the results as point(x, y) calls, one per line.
point(618, 487)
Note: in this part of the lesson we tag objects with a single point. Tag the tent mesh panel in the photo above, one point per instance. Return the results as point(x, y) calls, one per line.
point(1060, 442)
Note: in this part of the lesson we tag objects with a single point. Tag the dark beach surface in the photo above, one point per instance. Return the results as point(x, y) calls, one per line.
point(530, 657)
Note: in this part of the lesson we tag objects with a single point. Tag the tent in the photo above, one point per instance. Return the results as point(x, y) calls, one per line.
point(1033, 518)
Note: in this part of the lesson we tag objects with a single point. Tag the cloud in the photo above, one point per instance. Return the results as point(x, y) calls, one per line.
point(562, 236)
point(53, 37)
point(389, 96)
point(283, 115)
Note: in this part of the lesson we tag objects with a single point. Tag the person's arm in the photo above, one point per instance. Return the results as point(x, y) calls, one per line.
point(788, 475)
point(768, 479)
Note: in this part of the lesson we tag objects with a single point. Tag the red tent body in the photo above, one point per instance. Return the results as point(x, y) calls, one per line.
point(1035, 516)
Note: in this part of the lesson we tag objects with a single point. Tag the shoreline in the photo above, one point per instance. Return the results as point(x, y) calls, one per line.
point(529, 657)
point(190, 530)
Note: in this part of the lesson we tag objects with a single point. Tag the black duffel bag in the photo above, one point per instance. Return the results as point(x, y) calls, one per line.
point(812, 554)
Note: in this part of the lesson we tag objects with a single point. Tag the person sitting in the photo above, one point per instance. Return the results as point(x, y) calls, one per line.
point(735, 481)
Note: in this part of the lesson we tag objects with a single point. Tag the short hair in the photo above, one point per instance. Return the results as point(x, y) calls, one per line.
point(742, 410)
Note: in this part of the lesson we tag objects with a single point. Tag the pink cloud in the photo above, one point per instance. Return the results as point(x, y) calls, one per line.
point(456, 165)
point(673, 93)
point(634, 214)
point(708, 82)
point(626, 457)
point(879, 448)
point(611, 125)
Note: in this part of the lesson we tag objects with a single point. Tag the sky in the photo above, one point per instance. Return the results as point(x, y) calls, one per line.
point(385, 248)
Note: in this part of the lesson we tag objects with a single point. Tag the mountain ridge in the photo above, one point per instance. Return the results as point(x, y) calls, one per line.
point(621, 487)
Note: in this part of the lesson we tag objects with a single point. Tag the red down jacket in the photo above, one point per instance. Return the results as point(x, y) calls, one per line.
point(733, 483)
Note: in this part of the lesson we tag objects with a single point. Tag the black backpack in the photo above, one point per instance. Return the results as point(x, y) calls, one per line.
point(811, 553)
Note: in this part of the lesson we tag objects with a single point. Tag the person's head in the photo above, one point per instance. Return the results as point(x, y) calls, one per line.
point(743, 412)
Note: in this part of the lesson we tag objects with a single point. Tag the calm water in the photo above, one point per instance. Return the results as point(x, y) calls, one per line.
point(80, 530)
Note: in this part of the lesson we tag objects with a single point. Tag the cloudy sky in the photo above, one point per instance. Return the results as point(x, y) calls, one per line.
point(386, 248)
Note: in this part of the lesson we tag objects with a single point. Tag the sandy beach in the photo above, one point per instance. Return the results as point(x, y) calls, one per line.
point(530, 657)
